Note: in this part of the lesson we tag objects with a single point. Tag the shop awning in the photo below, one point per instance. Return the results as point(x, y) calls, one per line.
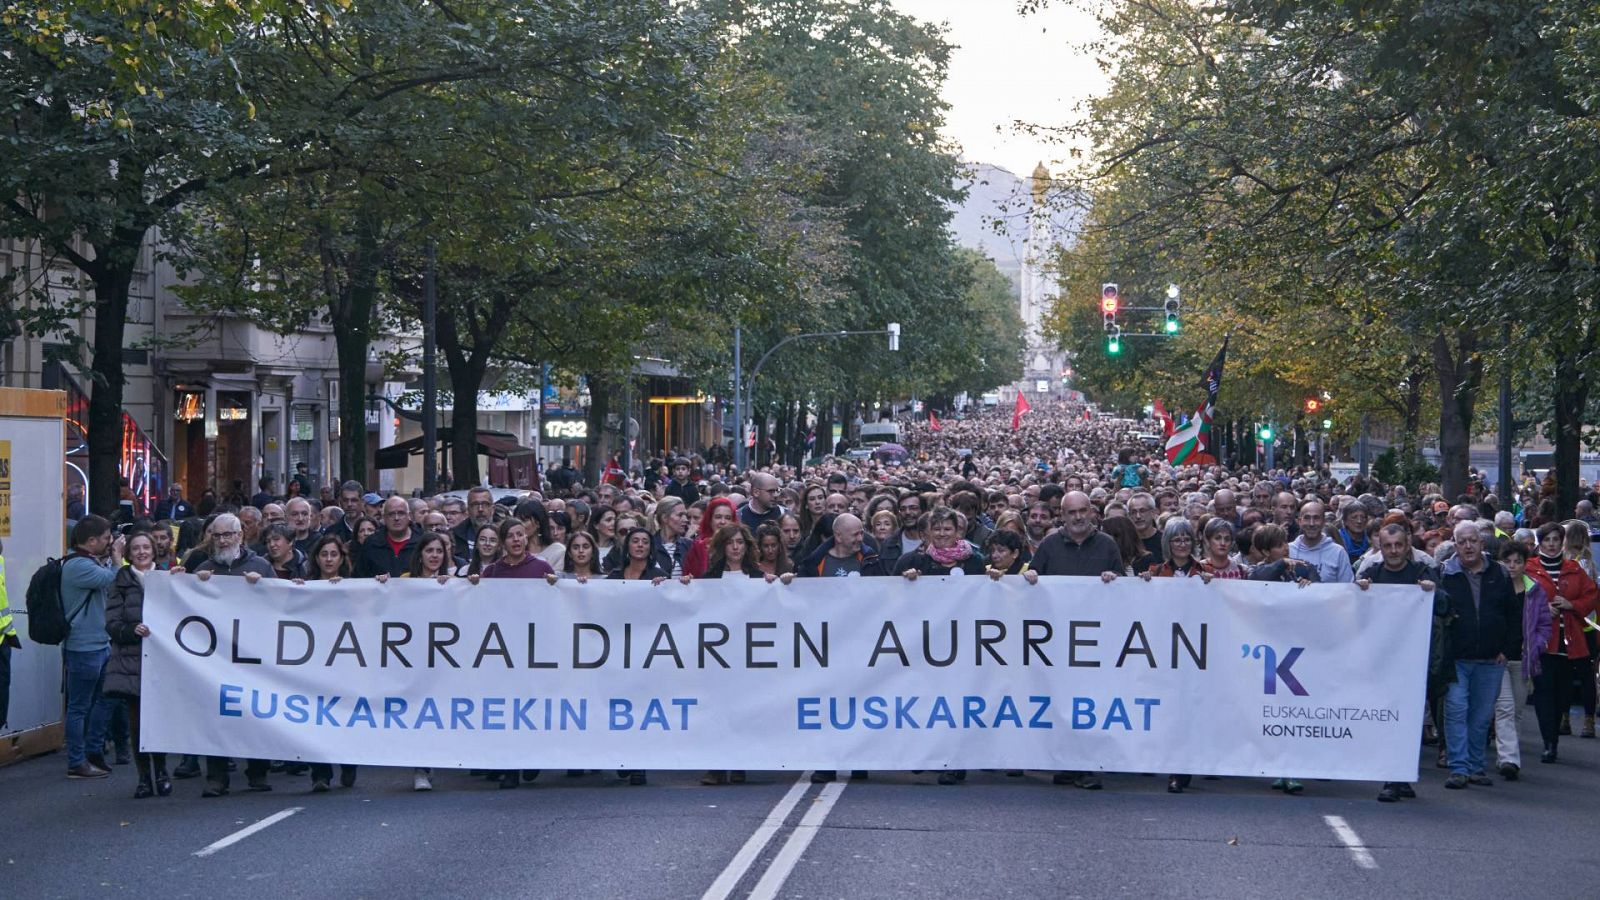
point(493, 444)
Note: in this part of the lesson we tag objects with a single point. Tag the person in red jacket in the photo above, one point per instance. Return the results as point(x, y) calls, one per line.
point(1573, 595)
point(719, 513)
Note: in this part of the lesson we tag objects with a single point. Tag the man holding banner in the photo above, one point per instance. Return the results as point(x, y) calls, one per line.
point(229, 556)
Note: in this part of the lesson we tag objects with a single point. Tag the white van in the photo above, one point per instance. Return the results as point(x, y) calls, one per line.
point(876, 433)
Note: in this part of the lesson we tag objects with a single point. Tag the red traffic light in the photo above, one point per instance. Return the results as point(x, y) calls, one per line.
point(1313, 404)
point(1110, 297)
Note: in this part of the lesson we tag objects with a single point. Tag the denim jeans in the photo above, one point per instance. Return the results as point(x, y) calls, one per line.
point(87, 713)
point(1468, 710)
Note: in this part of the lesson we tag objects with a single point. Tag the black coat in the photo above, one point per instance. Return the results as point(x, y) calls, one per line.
point(124, 612)
point(375, 557)
point(1484, 630)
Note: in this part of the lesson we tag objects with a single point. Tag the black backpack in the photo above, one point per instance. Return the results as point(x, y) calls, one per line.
point(48, 622)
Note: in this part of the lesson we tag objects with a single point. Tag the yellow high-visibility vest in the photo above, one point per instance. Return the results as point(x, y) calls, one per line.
point(6, 628)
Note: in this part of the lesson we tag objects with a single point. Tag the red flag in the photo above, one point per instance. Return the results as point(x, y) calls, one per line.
point(1163, 417)
point(1016, 414)
point(933, 422)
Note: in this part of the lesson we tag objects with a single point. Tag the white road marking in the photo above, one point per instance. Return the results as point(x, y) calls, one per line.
point(248, 830)
point(772, 880)
point(723, 887)
point(1348, 837)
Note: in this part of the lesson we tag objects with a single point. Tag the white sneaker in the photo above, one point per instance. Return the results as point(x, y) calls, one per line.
point(421, 783)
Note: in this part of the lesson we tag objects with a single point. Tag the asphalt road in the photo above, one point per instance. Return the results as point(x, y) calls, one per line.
point(894, 835)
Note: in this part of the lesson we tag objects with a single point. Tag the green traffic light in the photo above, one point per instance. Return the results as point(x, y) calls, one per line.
point(1113, 346)
point(1172, 326)
point(1266, 434)
point(1327, 424)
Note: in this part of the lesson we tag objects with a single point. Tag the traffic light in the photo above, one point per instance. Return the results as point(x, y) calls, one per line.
point(1265, 433)
point(1327, 424)
point(1113, 340)
point(1312, 405)
point(1172, 309)
point(1109, 301)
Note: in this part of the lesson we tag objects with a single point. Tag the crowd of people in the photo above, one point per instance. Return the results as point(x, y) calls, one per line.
point(1068, 493)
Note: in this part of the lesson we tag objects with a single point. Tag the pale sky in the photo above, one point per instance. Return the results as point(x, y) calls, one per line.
point(1007, 67)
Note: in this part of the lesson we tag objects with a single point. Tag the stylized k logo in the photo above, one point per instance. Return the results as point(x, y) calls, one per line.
point(1273, 670)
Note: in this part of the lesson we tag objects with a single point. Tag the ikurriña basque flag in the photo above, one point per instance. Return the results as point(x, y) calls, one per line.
point(1191, 444)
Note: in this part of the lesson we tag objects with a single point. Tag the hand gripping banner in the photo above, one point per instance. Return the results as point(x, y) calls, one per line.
point(1226, 678)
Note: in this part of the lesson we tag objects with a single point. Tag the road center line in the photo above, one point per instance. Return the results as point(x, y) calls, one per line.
point(772, 880)
point(723, 887)
point(1348, 837)
point(248, 830)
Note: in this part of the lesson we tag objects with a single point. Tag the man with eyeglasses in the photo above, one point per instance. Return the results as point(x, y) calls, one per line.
point(229, 556)
point(480, 515)
point(763, 506)
point(389, 551)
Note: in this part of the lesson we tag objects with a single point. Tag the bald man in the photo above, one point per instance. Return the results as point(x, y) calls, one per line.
point(763, 506)
point(1079, 547)
point(388, 552)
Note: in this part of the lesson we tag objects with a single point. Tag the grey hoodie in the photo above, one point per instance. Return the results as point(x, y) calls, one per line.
point(1329, 556)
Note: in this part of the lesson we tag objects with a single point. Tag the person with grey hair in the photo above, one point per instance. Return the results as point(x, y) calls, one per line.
point(229, 556)
point(1584, 512)
point(1485, 631)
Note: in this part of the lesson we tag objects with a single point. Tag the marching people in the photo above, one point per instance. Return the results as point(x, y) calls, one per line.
point(86, 575)
point(229, 556)
point(125, 626)
point(1192, 516)
point(388, 552)
point(1536, 623)
point(1486, 628)
point(485, 550)
point(1564, 656)
point(946, 552)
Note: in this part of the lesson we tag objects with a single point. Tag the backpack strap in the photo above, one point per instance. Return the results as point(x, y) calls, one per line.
point(85, 604)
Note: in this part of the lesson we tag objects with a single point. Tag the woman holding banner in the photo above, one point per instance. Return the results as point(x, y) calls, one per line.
point(1177, 561)
point(515, 562)
point(638, 564)
point(126, 628)
point(945, 552)
point(582, 561)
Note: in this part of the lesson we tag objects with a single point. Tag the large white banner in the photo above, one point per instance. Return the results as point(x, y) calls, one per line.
point(1227, 678)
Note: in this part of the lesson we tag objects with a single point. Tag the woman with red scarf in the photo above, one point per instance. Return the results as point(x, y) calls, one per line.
point(718, 515)
point(1572, 596)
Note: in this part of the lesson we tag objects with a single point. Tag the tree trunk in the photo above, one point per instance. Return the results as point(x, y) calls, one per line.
point(594, 448)
point(105, 395)
point(467, 367)
point(352, 338)
point(1571, 398)
point(1416, 372)
point(351, 345)
point(1459, 370)
point(824, 428)
point(783, 430)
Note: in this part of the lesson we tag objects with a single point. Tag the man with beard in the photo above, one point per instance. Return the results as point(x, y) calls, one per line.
point(480, 515)
point(229, 556)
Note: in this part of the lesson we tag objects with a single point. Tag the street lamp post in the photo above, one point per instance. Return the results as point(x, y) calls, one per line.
point(744, 395)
